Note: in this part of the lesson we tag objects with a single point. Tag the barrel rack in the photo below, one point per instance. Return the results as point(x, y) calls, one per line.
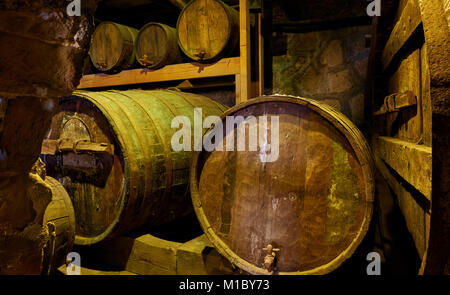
point(239, 67)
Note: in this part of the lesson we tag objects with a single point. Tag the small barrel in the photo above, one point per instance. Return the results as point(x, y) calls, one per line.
point(112, 152)
point(312, 203)
point(112, 47)
point(59, 217)
point(208, 30)
point(157, 46)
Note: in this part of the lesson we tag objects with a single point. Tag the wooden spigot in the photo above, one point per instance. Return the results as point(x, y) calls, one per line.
point(146, 63)
point(269, 260)
point(101, 66)
point(200, 55)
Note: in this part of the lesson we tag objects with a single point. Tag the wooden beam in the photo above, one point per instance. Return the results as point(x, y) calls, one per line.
point(149, 255)
point(245, 70)
point(396, 102)
point(437, 43)
point(417, 216)
point(238, 88)
point(224, 67)
point(260, 40)
point(406, 26)
point(196, 84)
point(51, 147)
point(411, 161)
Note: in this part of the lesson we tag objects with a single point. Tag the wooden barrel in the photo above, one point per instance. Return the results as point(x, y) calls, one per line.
point(208, 30)
point(156, 46)
point(59, 217)
point(112, 47)
point(112, 152)
point(313, 205)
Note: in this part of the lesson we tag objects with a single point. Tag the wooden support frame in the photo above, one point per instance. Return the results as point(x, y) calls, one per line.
point(224, 67)
point(150, 255)
point(239, 67)
point(260, 53)
point(411, 161)
point(402, 32)
point(421, 35)
point(244, 47)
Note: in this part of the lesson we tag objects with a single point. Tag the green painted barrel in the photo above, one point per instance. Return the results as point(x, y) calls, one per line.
point(112, 152)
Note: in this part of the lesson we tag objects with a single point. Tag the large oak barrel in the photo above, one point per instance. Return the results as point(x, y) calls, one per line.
point(313, 204)
point(112, 47)
point(112, 152)
point(59, 217)
point(157, 46)
point(208, 30)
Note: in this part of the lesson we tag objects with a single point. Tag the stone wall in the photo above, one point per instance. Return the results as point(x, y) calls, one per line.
point(329, 66)
point(42, 50)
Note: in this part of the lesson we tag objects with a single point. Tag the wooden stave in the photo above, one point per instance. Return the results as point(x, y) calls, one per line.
point(364, 155)
point(64, 224)
point(127, 56)
point(130, 213)
point(232, 36)
point(172, 55)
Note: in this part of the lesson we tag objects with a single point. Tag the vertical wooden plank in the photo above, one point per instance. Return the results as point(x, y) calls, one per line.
point(426, 97)
point(260, 38)
point(244, 40)
point(437, 42)
point(238, 88)
point(407, 78)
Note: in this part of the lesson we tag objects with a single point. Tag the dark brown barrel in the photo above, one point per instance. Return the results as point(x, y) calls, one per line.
point(157, 46)
point(314, 203)
point(112, 47)
point(59, 217)
point(208, 30)
point(112, 152)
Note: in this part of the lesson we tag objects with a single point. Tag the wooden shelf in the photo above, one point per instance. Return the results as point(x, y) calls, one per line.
point(239, 67)
point(224, 67)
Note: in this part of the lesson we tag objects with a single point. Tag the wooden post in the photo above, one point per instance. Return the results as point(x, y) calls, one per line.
point(437, 42)
point(244, 28)
point(238, 87)
point(260, 40)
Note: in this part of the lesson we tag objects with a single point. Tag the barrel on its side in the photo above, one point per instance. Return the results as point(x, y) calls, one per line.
point(112, 47)
point(59, 217)
point(112, 152)
point(306, 201)
point(157, 46)
point(208, 30)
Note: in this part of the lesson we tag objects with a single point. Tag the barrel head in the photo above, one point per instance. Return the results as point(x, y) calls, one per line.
point(94, 181)
point(313, 202)
point(204, 29)
point(152, 46)
point(106, 46)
